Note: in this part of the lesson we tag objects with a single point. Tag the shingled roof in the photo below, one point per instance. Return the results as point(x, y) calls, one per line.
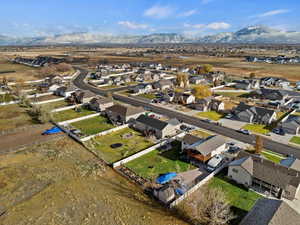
point(125, 110)
point(271, 212)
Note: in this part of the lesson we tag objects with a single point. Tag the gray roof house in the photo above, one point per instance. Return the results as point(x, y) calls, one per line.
point(291, 124)
point(123, 114)
point(208, 104)
point(65, 91)
point(253, 170)
point(99, 104)
point(155, 127)
point(271, 212)
point(83, 96)
point(253, 114)
point(163, 84)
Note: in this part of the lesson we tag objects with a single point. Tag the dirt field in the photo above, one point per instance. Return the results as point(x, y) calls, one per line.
point(61, 183)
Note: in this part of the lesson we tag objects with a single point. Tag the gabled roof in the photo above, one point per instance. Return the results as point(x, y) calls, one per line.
point(191, 139)
point(156, 123)
point(125, 110)
point(271, 212)
point(207, 146)
point(245, 163)
point(100, 100)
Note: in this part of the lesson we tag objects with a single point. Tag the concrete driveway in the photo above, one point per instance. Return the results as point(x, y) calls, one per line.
point(233, 124)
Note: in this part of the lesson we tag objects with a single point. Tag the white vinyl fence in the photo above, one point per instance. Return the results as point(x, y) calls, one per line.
point(79, 119)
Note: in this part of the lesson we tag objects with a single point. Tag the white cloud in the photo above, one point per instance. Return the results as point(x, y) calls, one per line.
point(159, 11)
point(133, 26)
point(188, 13)
point(212, 26)
point(272, 13)
point(218, 26)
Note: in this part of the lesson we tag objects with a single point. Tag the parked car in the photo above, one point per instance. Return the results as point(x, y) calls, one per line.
point(243, 131)
point(278, 131)
point(214, 163)
point(186, 128)
point(229, 116)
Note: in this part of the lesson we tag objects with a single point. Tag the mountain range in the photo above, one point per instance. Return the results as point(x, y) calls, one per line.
point(251, 34)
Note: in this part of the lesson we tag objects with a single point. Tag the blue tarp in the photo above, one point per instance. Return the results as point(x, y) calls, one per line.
point(53, 130)
point(179, 191)
point(162, 179)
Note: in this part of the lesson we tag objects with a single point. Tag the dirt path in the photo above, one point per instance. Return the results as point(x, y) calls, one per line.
point(32, 135)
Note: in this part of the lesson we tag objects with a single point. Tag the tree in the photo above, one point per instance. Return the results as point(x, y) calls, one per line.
point(202, 91)
point(209, 207)
point(47, 71)
point(206, 68)
point(40, 114)
point(182, 80)
point(258, 144)
point(252, 75)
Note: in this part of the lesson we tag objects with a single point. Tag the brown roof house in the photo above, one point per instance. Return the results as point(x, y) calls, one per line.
point(253, 170)
point(123, 114)
point(271, 212)
point(155, 127)
point(208, 104)
point(99, 104)
point(83, 96)
point(184, 98)
point(163, 85)
point(204, 149)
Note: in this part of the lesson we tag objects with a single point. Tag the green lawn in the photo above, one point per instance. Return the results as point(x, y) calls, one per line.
point(240, 199)
point(147, 95)
point(130, 145)
point(71, 114)
point(201, 133)
point(56, 105)
point(212, 115)
point(94, 125)
point(109, 87)
point(230, 94)
point(155, 163)
point(257, 128)
point(274, 157)
point(295, 140)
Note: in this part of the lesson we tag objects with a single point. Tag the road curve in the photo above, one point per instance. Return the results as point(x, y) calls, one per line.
point(227, 132)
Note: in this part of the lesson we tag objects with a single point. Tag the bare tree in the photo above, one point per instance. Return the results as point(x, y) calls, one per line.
point(258, 144)
point(47, 71)
point(209, 206)
point(63, 67)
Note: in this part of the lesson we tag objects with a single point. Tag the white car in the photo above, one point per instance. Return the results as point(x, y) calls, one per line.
point(214, 162)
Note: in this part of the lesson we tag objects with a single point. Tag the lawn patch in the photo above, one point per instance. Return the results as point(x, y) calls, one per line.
point(257, 128)
point(201, 133)
point(71, 114)
point(93, 125)
point(231, 94)
point(274, 157)
point(148, 96)
point(157, 162)
point(240, 199)
point(295, 140)
point(130, 145)
point(212, 115)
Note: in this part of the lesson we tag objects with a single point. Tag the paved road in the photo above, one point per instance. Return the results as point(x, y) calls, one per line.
point(228, 132)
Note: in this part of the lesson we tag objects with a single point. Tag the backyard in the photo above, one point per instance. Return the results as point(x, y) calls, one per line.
point(157, 162)
point(71, 114)
point(131, 142)
point(56, 105)
point(257, 128)
point(93, 125)
point(212, 115)
point(240, 199)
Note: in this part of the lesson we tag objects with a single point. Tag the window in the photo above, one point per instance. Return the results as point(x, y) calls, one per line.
point(235, 170)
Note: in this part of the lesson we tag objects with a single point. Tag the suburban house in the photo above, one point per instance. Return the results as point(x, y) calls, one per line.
point(208, 104)
point(188, 140)
point(82, 96)
point(65, 91)
point(271, 94)
point(197, 79)
point(155, 127)
point(246, 84)
point(163, 85)
point(142, 88)
point(253, 170)
point(291, 124)
point(271, 212)
point(53, 87)
point(203, 150)
point(253, 114)
point(184, 98)
point(123, 114)
point(99, 104)
point(54, 79)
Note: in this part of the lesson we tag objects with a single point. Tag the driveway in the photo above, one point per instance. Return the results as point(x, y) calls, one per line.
point(233, 124)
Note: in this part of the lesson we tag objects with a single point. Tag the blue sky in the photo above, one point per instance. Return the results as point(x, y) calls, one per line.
point(190, 17)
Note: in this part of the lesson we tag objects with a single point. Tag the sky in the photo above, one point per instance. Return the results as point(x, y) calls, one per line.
point(129, 17)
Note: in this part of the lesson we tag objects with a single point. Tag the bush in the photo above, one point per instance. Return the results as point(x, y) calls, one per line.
point(40, 114)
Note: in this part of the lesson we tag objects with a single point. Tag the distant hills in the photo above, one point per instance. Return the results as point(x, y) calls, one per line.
point(251, 34)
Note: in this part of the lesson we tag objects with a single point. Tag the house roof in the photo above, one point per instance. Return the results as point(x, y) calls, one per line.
point(191, 139)
point(245, 163)
point(291, 162)
point(270, 172)
point(271, 212)
point(257, 112)
point(100, 100)
point(156, 123)
point(125, 110)
point(207, 146)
